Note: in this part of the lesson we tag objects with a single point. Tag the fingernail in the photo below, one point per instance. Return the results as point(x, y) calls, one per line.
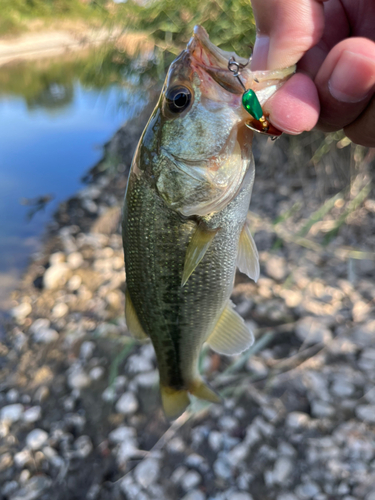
point(353, 77)
point(260, 53)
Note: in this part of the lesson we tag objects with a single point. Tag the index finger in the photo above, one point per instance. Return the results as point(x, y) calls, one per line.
point(286, 29)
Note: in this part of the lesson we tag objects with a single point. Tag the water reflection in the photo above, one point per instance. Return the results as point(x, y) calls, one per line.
point(49, 138)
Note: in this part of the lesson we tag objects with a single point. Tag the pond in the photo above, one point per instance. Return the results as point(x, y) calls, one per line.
point(53, 128)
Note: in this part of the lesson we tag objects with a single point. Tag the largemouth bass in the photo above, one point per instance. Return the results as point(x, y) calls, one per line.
point(184, 222)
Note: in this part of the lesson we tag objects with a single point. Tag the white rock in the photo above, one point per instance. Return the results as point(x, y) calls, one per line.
point(59, 310)
point(32, 414)
point(22, 458)
point(321, 409)
point(33, 489)
point(49, 452)
point(286, 449)
point(121, 434)
point(75, 260)
point(36, 439)
point(176, 445)
point(147, 379)
point(313, 330)
point(307, 490)
point(87, 349)
point(147, 472)
point(342, 388)
point(83, 446)
point(138, 363)
point(215, 440)
point(9, 487)
point(24, 476)
point(96, 373)
point(371, 496)
point(74, 283)
point(11, 413)
point(20, 312)
point(120, 382)
point(190, 480)
point(46, 336)
point(287, 496)
point(282, 470)
point(222, 469)
point(366, 413)
point(276, 267)
point(78, 380)
point(6, 461)
point(297, 419)
point(228, 423)
point(12, 396)
point(238, 454)
point(239, 495)
point(125, 451)
point(56, 258)
point(178, 474)
point(127, 404)
point(109, 394)
point(194, 495)
point(56, 276)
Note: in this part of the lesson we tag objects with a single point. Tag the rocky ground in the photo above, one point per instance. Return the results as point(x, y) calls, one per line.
point(80, 414)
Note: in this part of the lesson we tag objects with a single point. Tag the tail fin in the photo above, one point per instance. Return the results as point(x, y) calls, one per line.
point(201, 390)
point(174, 402)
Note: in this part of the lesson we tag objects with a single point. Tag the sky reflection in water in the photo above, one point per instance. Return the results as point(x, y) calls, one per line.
point(44, 150)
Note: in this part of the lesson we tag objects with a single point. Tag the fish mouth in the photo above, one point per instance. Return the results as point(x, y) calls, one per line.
point(214, 61)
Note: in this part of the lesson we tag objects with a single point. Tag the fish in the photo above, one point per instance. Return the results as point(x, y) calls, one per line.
point(185, 217)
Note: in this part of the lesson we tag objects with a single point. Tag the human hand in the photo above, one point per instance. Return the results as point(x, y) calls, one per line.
point(333, 42)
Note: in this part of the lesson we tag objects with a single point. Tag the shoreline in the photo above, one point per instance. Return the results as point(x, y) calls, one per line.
point(51, 43)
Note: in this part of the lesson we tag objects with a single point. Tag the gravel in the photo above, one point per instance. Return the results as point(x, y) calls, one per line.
point(79, 403)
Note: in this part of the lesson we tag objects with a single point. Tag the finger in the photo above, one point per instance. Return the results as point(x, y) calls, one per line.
point(286, 29)
point(346, 82)
point(295, 107)
point(362, 130)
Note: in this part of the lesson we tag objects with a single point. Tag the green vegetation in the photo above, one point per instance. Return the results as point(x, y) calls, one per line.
point(17, 14)
point(230, 23)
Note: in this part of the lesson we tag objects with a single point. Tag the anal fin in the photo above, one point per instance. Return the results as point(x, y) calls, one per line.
point(230, 335)
point(248, 258)
point(132, 321)
point(198, 246)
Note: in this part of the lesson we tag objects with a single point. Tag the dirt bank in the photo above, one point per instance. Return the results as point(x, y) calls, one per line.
point(53, 43)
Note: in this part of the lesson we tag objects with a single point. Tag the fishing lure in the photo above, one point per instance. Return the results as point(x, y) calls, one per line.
point(250, 102)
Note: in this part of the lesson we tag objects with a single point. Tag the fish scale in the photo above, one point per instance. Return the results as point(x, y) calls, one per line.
point(177, 316)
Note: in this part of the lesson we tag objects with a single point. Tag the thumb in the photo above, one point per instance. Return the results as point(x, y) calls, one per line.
point(286, 29)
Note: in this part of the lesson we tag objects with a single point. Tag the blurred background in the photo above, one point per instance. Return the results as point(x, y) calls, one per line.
point(79, 405)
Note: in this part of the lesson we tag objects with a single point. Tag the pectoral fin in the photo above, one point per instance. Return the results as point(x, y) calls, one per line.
point(198, 246)
point(230, 335)
point(132, 321)
point(248, 258)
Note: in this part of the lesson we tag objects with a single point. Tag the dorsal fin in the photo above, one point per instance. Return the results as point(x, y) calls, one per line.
point(198, 246)
point(230, 335)
point(132, 321)
point(248, 258)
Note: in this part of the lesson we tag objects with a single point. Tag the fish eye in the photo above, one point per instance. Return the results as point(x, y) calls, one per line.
point(178, 99)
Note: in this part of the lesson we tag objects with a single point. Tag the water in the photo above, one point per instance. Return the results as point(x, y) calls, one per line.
point(47, 142)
